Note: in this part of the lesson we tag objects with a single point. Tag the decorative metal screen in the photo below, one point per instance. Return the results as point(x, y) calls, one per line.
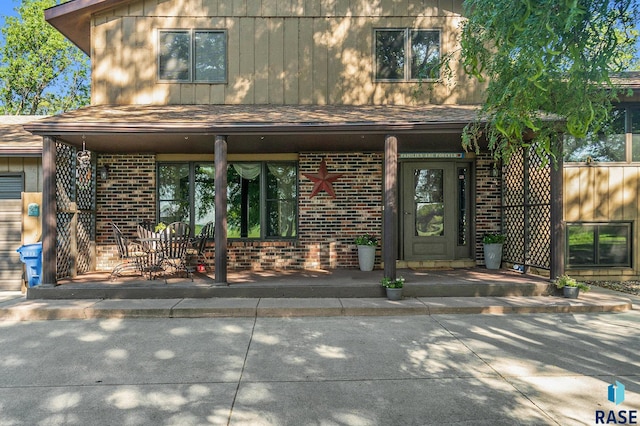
point(526, 210)
point(75, 215)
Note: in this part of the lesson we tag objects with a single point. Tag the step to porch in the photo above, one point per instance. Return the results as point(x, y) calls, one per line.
point(345, 283)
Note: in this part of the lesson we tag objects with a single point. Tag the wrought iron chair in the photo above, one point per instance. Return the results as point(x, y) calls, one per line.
point(199, 243)
point(174, 242)
point(150, 243)
point(131, 253)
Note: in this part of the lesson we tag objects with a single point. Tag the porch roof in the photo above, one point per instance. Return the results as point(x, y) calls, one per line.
point(17, 142)
point(255, 128)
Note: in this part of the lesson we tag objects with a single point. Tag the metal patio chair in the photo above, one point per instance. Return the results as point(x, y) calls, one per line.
point(199, 243)
point(150, 243)
point(131, 253)
point(174, 242)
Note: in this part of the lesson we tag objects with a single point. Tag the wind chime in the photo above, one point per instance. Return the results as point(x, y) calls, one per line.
point(83, 165)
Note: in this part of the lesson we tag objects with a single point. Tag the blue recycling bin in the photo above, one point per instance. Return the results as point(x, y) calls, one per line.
point(31, 256)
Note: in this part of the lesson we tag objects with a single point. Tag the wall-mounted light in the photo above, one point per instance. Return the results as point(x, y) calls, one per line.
point(104, 172)
point(495, 169)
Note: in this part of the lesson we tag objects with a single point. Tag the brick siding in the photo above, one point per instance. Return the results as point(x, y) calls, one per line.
point(126, 198)
point(488, 202)
point(327, 226)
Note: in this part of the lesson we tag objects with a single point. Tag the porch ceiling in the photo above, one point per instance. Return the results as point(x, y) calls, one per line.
point(258, 128)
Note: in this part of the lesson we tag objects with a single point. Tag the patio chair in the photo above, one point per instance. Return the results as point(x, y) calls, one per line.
point(131, 254)
point(174, 242)
point(150, 243)
point(199, 243)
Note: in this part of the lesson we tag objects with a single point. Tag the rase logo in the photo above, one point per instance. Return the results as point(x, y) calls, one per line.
point(615, 394)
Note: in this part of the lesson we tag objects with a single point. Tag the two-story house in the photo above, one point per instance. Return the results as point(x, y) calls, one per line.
point(295, 125)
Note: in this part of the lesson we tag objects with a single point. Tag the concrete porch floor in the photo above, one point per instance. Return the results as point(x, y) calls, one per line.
point(338, 283)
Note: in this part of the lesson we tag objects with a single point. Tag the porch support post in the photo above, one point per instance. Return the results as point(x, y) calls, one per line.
point(557, 216)
point(389, 227)
point(49, 229)
point(220, 184)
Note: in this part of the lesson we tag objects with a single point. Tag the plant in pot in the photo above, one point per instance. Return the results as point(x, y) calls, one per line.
point(366, 251)
point(493, 250)
point(570, 286)
point(393, 287)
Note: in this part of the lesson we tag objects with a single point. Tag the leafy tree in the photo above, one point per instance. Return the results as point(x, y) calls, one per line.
point(41, 72)
point(545, 59)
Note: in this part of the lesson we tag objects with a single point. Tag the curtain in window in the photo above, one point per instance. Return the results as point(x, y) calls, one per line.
point(248, 171)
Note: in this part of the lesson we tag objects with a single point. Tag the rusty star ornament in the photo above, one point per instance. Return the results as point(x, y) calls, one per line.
point(323, 180)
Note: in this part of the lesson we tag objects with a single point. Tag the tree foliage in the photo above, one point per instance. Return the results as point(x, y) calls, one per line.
point(547, 65)
point(41, 72)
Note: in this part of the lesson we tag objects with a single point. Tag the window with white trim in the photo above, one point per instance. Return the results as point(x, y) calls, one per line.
point(192, 56)
point(403, 54)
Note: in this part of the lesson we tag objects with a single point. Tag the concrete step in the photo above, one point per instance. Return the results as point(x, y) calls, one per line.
point(22, 309)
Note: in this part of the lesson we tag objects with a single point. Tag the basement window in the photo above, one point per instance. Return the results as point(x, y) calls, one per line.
point(594, 244)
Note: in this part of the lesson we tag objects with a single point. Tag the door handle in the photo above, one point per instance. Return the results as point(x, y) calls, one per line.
point(407, 213)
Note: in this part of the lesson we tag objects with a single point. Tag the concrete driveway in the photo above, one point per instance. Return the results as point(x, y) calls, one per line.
point(396, 370)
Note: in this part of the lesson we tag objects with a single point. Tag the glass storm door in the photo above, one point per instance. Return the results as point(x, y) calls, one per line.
point(435, 209)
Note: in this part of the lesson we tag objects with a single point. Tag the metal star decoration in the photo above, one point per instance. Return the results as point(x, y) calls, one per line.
point(323, 180)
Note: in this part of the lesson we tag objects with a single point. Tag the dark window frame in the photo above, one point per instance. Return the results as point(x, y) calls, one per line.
point(263, 196)
point(407, 54)
point(192, 57)
point(631, 124)
point(597, 248)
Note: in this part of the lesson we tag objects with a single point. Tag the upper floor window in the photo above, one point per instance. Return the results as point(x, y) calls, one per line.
point(192, 56)
point(620, 142)
point(405, 54)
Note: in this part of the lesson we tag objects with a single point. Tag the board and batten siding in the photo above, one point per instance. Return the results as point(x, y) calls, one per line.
point(604, 193)
point(21, 173)
point(279, 52)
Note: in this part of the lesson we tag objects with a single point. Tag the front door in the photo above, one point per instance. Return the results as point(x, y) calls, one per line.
point(435, 210)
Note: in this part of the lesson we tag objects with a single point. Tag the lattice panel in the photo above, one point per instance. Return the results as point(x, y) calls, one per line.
point(526, 211)
point(65, 176)
point(538, 182)
point(84, 238)
point(85, 192)
point(64, 261)
point(513, 184)
point(75, 222)
point(539, 241)
point(514, 247)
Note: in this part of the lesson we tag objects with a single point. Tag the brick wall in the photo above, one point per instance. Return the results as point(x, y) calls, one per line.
point(488, 202)
point(327, 226)
point(126, 198)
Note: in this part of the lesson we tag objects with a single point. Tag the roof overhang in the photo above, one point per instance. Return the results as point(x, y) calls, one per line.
point(17, 142)
point(73, 19)
point(257, 128)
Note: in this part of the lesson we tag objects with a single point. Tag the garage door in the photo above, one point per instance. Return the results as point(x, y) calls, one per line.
point(10, 231)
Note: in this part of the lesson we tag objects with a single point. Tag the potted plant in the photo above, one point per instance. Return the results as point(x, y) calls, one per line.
point(493, 250)
point(570, 286)
point(393, 287)
point(366, 251)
